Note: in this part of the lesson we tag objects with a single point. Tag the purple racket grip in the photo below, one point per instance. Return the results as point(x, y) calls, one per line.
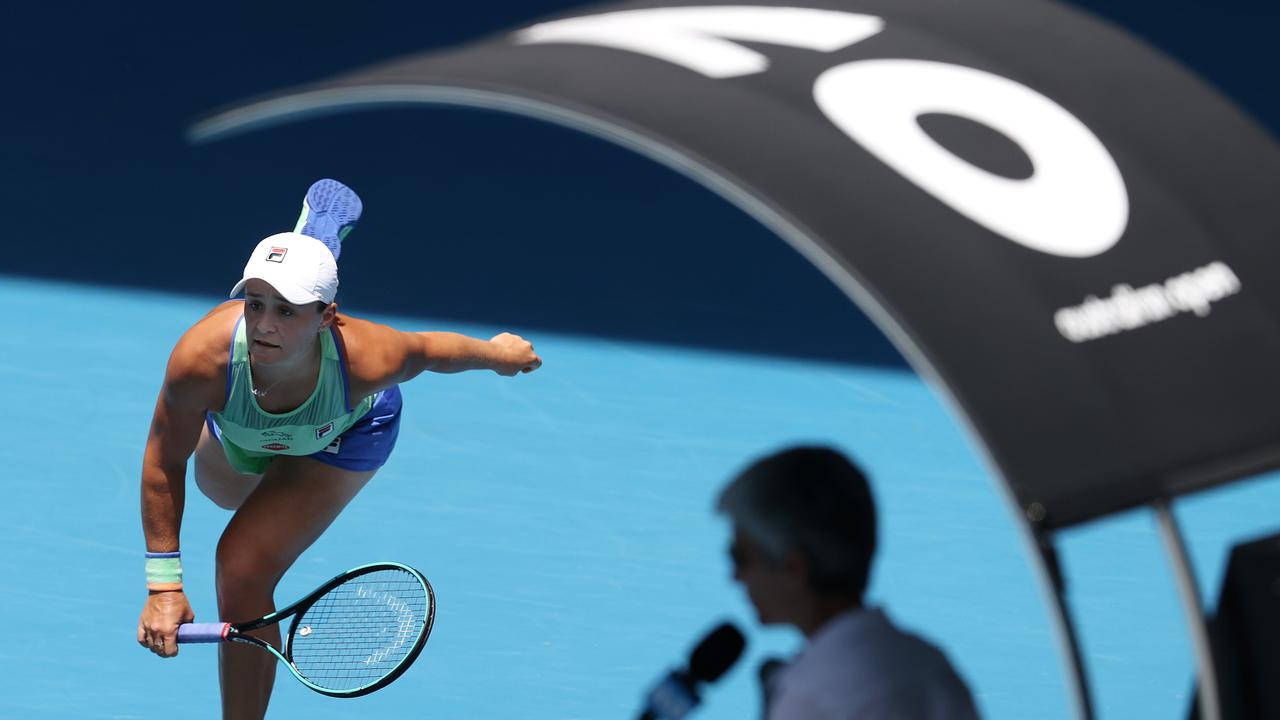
point(203, 632)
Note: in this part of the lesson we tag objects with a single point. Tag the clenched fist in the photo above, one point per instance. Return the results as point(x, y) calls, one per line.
point(514, 355)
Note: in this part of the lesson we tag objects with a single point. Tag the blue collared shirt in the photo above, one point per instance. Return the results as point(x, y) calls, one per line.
point(860, 667)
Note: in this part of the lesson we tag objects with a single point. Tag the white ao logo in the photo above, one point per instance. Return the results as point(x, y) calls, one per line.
point(1073, 205)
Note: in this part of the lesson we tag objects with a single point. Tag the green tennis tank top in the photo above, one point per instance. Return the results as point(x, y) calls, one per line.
point(251, 435)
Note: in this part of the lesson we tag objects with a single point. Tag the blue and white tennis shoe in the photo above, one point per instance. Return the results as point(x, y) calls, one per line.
point(329, 211)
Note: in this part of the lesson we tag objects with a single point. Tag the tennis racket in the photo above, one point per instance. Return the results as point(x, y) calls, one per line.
point(353, 635)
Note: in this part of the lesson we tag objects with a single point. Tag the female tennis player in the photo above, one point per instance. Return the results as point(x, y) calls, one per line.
point(289, 408)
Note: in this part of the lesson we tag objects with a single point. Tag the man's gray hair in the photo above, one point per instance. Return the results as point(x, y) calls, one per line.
point(810, 499)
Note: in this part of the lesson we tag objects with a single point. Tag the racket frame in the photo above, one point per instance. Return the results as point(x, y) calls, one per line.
point(234, 632)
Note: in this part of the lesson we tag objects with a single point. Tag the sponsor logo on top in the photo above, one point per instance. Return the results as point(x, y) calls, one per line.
point(323, 431)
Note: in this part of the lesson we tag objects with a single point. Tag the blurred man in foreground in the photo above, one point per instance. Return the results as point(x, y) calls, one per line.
point(804, 533)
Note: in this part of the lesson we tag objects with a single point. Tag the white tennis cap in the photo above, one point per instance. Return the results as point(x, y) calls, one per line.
point(299, 267)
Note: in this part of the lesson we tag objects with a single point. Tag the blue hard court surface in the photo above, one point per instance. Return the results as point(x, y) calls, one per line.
point(565, 521)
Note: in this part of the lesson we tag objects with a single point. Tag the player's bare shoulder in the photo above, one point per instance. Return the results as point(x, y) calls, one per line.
point(376, 354)
point(198, 363)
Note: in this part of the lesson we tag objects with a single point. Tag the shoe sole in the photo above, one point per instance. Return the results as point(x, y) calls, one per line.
point(330, 211)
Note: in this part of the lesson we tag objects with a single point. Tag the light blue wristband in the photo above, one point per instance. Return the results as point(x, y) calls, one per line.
point(164, 570)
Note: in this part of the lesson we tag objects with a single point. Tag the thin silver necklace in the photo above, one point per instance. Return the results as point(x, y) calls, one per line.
point(263, 393)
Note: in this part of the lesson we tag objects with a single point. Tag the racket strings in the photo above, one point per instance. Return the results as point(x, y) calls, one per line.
point(361, 630)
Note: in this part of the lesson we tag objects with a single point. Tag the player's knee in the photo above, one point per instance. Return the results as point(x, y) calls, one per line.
point(246, 576)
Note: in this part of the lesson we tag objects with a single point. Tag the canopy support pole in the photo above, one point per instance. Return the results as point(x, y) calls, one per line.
point(1066, 629)
point(1191, 607)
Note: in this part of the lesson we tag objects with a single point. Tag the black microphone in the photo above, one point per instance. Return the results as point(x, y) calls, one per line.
point(677, 693)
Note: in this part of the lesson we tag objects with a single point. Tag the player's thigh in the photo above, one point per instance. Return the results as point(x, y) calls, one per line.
point(221, 483)
point(296, 500)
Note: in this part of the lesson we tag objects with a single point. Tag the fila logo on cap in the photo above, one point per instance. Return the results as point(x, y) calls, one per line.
point(277, 254)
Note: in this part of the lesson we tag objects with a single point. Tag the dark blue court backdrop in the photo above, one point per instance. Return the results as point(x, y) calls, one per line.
point(533, 225)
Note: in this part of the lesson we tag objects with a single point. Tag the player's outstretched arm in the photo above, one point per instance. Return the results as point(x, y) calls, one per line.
point(447, 352)
point(380, 356)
